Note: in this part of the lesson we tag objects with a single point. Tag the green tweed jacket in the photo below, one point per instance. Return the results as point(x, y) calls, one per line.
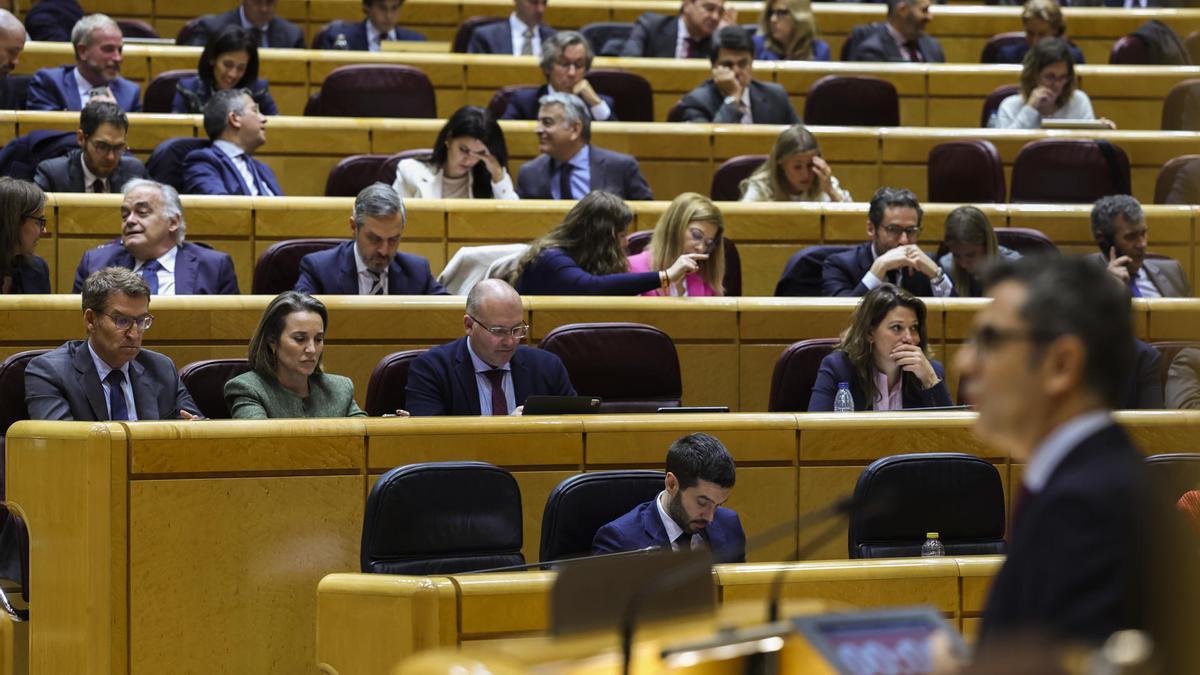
point(253, 397)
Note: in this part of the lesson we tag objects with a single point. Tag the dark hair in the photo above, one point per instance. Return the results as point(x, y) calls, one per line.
point(698, 457)
point(1163, 43)
point(969, 225)
point(589, 235)
point(1048, 52)
point(216, 111)
point(102, 112)
point(1075, 296)
point(893, 5)
point(1106, 210)
point(856, 341)
point(108, 280)
point(474, 122)
point(19, 199)
point(261, 357)
point(230, 39)
point(889, 197)
point(731, 38)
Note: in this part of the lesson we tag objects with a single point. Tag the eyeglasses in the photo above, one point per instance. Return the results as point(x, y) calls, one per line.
point(123, 322)
point(990, 338)
point(108, 149)
point(40, 220)
point(894, 231)
point(697, 235)
point(1052, 78)
point(778, 14)
point(500, 332)
point(568, 65)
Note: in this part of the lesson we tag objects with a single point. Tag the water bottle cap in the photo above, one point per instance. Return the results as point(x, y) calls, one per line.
point(931, 535)
point(843, 385)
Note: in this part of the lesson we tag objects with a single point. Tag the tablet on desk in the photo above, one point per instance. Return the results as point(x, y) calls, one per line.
point(561, 405)
point(694, 409)
point(1067, 123)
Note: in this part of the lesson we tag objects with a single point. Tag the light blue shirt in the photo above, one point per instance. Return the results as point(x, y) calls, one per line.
point(485, 385)
point(581, 175)
point(241, 160)
point(165, 272)
point(103, 369)
point(517, 29)
point(1055, 447)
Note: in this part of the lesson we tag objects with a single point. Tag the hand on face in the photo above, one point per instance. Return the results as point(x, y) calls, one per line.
point(911, 359)
point(686, 264)
point(1043, 100)
point(583, 89)
point(726, 81)
point(1118, 266)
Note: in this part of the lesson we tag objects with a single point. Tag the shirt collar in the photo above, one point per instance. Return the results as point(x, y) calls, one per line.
point(167, 260)
point(230, 149)
point(580, 159)
point(88, 176)
point(82, 84)
point(482, 366)
point(361, 265)
point(900, 41)
point(102, 368)
point(373, 34)
point(245, 22)
point(1058, 444)
point(683, 32)
point(520, 26)
point(672, 527)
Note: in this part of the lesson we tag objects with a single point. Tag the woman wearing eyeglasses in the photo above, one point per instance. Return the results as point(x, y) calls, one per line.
point(285, 378)
point(1048, 90)
point(691, 224)
point(788, 32)
point(883, 357)
point(22, 224)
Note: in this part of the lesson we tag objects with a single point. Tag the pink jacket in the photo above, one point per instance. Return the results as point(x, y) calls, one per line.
point(696, 285)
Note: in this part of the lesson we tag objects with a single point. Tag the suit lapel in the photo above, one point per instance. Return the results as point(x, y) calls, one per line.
point(346, 278)
point(71, 91)
point(669, 41)
point(760, 105)
point(145, 392)
point(396, 282)
point(1161, 280)
point(464, 373)
point(596, 164)
point(229, 164)
point(506, 43)
point(75, 171)
point(186, 268)
point(86, 369)
point(520, 377)
point(652, 524)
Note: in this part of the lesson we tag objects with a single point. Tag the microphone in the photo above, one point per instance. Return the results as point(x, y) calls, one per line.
point(566, 561)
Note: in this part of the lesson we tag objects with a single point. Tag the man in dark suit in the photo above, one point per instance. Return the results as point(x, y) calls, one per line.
point(487, 372)
point(521, 35)
point(566, 61)
point(108, 376)
point(256, 16)
point(1119, 228)
point(901, 37)
point(52, 20)
point(891, 255)
point(96, 74)
point(687, 35)
point(732, 95)
point(1186, 187)
point(688, 512)
point(237, 128)
point(370, 264)
point(570, 166)
point(152, 245)
point(100, 165)
point(369, 34)
point(12, 42)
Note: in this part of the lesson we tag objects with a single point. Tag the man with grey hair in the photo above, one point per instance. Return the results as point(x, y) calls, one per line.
point(370, 263)
point(96, 74)
point(237, 128)
point(152, 245)
point(1119, 228)
point(521, 35)
point(901, 38)
point(570, 166)
point(12, 42)
point(566, 61)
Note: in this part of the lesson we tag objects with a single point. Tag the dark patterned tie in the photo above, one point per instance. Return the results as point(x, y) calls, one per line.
point(257, 34)
point(564, 181)
point(98, 186)
point(914, 51)
point(150, 274)
point(495, 377)
point(693, 48)
point(377, 282)
point(118, 411)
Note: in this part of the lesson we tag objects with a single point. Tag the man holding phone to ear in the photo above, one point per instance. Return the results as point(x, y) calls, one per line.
point(1119, 228)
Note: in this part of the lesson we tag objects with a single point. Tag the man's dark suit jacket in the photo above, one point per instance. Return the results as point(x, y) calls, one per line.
point(52, 20)
point(280, 32)
point(199, 270)
point(643, 527)
point(1186, 188)
point(523, 104)
point(54, 89)
point(1074, 556)
point(442, 380)
point(656, 35)
point(356, 35)
point(208, 171)
point(611, 171)
point(63, 385)
point(496, 38)
point(1143, 388)
point(768, 105)
point(65, 174)
point(842, 275)
point(836, 367)
point(1015, 53)
point(30, 276)
point(333, 271)
point(879, 46)
point(14, 89)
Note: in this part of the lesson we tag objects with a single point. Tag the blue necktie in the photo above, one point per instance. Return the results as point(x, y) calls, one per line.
point(150, 274)
point(564, 181)
point(1133, 287)
point(119, 412)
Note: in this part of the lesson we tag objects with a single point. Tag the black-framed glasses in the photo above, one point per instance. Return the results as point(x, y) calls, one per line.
point(990, 338)
point(894, 231)
point(108, 148)
point(500, 332)
point(123, 322)
point(40, 220)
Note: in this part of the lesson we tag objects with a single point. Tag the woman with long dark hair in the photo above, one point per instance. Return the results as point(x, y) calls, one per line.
point(229, 61)
point(469, 161)
point(22, 224)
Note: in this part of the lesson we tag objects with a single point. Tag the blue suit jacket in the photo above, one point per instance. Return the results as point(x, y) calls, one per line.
point(333, 271)
point(54, 89)
point(836, 368)
point(442, 380)
point(496, 38)
point(191, 94)
point(842, 274)
point(554, 272)
point(32, 275)
point(199, 270)
point(761, 53)
point(643, 527)
point(611, 172)
point(523, 104)
point(208, 171)
point(52, 20)
point(1015, 53)
point(356, 35)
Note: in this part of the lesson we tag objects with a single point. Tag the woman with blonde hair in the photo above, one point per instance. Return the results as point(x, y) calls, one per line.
point(970, 243)
point(691, 224)
point(1042, 19)
point(788, 32)
point(794, 172)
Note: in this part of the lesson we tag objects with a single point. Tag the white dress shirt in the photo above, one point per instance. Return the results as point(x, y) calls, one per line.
point(518, 28)
point(1056, 446)
point(681, 36)
point(375, 38)
point(90, 178)
point(241, 161)
point(103, 369)
point(485, 385)
point(600, 112)
point(366, 278)
point(165, 271)
point(941, 289)
point(85, 88)
point(673, 528)
point(1145, 284)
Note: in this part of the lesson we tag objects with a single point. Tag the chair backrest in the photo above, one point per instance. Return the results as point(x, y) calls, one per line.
point(959, 496)
point(442, 518)
point(160, 93)
point(499, 102)
point(581, 505)
point(1069, 170)
point(1191, 42)
point(385, 389)
point(633, 99)
point(993, 100)
point(18, 86)
point(607, 37)
point(675, 114)
point(376, 90)
point(185, 34)
point(1167, 175)
point(14, 552)
point(136, 28)
point(462, 37)
point(1173, 474)
point(166, 161)
point(12, 392)
point(1025, 240)
point(1167, 351)
point(732, 280)
point(966, 172)
point(387, 170)
point(852, 100)
point(730, 174)
point(802, 274)
point(278, 268)
point(352, 174)
point(1130, 50)
point(205, 381)
point(1181, 108)
point(633, 367)
point(999, 41)
point(796, 372)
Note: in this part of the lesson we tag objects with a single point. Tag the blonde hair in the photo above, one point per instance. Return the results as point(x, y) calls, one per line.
point(667, 243)
point(1045, 10)
point(969, 225)
point(770, 179)
point(803, 38)
point(589, 235)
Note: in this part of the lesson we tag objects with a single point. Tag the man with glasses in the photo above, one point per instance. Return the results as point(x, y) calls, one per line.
point(687, 35)
point(732, 95)
point(108, 376)
point(891, 255)
point(488, 371)
point(566, 61)
point(100, 165)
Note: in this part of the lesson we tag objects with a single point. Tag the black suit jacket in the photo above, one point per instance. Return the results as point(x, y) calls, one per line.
point(280, 32)
point(356, 35)
point(523, 104)
point(656, 35)
point(842, 274)
point(496, 38)
point(65, 174)
point(30, 276)
point(52, 20)
point(611, 171)
point(334, 271)
point(879, 46)
point(768, 105)
point(13, 90)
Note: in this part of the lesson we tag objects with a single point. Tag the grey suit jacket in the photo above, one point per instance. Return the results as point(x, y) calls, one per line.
point(63, 385)
point(768, 105)
point(655, 35)
point(1166, 274)
point(1183, 380)
point(65, 174)
point(611, 172)
point(280, 32)
point(879, 46)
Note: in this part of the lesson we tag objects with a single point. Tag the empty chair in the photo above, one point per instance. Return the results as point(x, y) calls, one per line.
point(999, 41)
point(581, 505)
point(14, 559)
point(796, 372)
point(205, 381)
point(1181, 108)
point(352, 174)
point(1191, 42)
point(993, 100)
point(607, 37)
point(728, 177)
point(387, 170)
point(632, 96)
point(1166, 178)
point(166, 161)
point(185, 34)
point(385, 389)
point(1130, 50)
point(958, 496)
point(278, 268)
point(1074, 171)
point(631, 366)
point(732, 281)
point(802, 275)
point(135, 28)
point(1025, 240)
point(442, 518)
point(160, 93)
point(375, 90)
point(852, 100)
point(966, 171)
point(499, 102)
point(462, 37)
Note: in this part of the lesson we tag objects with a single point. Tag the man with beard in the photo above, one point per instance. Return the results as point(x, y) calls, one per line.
point(100, 165)
point(12, 42)
point(96, 74)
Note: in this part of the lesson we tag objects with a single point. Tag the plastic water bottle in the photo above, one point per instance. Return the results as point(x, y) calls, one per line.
point(932, 548)
point(341, 42)
point(843, 402)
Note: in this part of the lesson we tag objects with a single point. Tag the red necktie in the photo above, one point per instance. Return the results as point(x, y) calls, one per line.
point(495, 377)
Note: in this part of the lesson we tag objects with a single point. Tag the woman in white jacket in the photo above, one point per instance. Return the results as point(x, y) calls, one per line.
point(1049, 90)
point(469, 161)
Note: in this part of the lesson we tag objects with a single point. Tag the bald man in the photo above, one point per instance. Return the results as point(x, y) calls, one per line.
point(12, 41)
point(487, 371)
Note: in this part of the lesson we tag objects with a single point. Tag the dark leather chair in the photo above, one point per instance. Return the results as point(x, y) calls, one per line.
point(462, 36)
point(374, 90)
point(1167, 351)
point(631, 366)
point(1173, 474)
point(607, 37)
point(1181, 108)
point(205, 381)
point(14, 559)
point(852, 100)
point(1025, 240)
point(442, 518)
point(499, 102)
point(12, 400)
point(166, 161)
point(997, 42)
point(857, 34)
point(1072, 171)
point(352, 174)
point(1167, 175)
point(135, 28)
point(387, 170)
point(802, 274)
point(1130, 50)
point(993, 100)
point(385, 389)
point(1191, 42)
point(633, 99)
point(185, 34)
point(732, 281)
point(959, 496)
point(278, 268)
point(966, 172)
point(581, 505)
point(796, 372)
point(160, 93)
point(728, 177)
